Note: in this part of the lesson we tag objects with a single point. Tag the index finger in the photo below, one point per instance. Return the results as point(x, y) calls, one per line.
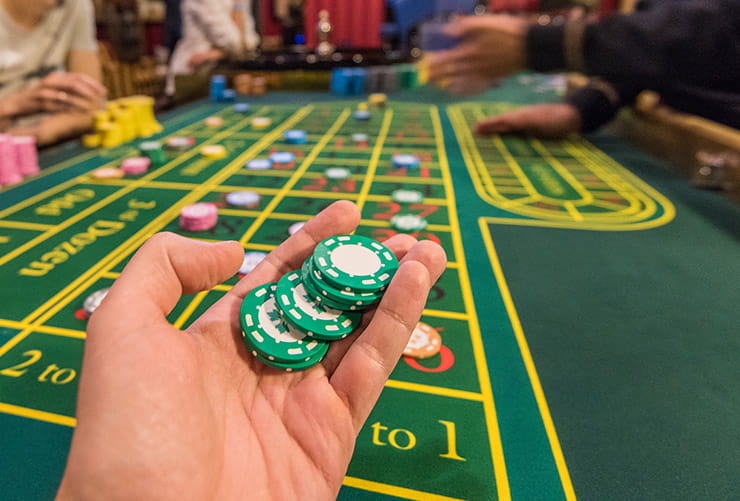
point(465, 26)
point(339, 218)
point(364, 369)
point(98, 88)
point(76, 83)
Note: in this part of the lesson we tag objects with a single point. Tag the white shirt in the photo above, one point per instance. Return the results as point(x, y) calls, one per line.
point(207, 24)
point(27, 55)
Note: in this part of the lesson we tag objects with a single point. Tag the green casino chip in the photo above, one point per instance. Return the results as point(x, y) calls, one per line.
point(327, 302)
point(408, 222)
point(300, 310)
point(266, 333)
point(355, 263)
point(407, 196)
point(339, 296)
point(146, 146)
point(291, 367)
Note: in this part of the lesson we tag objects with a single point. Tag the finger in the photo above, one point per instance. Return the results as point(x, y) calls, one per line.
point(166, 267)
point(500, 124)
point(364, 369)
point(76, 83)
point(77, 103)
point(52, 100)
point(467, 86)
point(462, 26)
point(398, 244)
point(55, 99)
point(456, 63)
point(339, 218)
point(96, 88)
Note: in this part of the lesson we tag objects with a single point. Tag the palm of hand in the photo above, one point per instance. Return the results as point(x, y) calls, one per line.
point(194, 414)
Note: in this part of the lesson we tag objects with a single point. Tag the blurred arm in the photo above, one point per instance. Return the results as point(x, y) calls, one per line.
point(693, 40)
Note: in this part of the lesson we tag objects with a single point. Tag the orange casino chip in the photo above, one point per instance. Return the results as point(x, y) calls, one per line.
point(425, 342)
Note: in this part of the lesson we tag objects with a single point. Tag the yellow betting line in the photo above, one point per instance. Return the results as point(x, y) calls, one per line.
point(110, 199)
point(494, 432)
point(374, 159)
point(48, 417)
point(308, 160)
point(534, 379)
point(20, 225)
point(135, 240)
point(393, 490)
point(452, 315)
point(434, 390)
point(199, 297)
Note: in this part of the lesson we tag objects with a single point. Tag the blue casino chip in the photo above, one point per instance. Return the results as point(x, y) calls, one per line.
point(296, 136)
point(282, 157)
point(400, 161)
point(259, 164)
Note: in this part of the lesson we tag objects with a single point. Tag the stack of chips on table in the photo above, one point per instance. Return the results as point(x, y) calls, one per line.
point(407, 162)
point(295, 136)
point(250, 261)
point(246, 199)
point(259, 86)
point(218, 86)
point(180, 143)
point(289, 324)
point(213, 151)
point(124, 119)
point(261, 123)
point(356, 81)
point(425, 342)
point(377, 100)
point(282, 160)
point(18, 158)
point(199, 217)
point(406, 220)
point(348, 81)
point(256, 85)
point(135, 166)
point(214, 121)
point(337, 173)
point(242, 107)
point(259, 164)
point(360, 139)
point(154, 151)
point(243, 83)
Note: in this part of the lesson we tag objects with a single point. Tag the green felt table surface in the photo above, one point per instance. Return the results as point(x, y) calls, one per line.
point(589, 311)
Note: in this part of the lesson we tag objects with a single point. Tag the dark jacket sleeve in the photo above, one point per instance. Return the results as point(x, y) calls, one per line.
point(599, 102)
point(696, 41)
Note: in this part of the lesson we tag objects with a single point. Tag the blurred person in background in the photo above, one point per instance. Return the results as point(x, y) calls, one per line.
point(49, 68)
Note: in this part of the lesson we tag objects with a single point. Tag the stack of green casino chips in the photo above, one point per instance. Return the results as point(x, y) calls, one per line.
point(406, 220)
point(290, 324)
point(154, 151)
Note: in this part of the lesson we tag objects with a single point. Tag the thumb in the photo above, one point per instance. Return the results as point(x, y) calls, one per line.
point(166, 267)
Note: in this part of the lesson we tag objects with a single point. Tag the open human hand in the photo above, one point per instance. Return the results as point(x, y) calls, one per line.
point(547, 120)
point(201, 59)
point(490, 47)
point(170, 414)
point(62, 92)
